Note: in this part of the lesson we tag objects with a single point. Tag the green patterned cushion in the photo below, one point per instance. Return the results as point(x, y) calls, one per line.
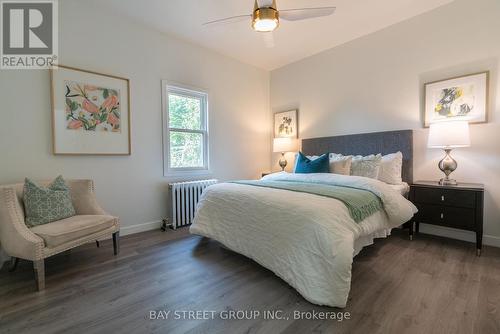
point(45, 205)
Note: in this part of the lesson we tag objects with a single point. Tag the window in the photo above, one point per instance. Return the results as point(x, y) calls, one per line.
point(186, 130)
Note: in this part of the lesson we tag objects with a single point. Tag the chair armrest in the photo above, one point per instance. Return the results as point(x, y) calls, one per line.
point(83, 198)
point(16, 238)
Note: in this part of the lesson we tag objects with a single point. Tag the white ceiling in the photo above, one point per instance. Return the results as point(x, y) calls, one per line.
point(292, 40)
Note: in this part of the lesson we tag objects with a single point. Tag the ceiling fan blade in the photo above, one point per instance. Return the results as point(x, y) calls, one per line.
point(268, 39)
point(227, 20)
point(305, 13)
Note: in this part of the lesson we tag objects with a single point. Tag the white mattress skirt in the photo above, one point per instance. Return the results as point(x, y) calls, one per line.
point(368, 240)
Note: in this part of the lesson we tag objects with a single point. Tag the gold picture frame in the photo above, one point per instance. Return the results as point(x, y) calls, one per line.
point(460, 97)
point(286, 124)
point(90, 112)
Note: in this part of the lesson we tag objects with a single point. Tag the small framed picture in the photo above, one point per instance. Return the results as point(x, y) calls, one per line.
point(464, 97)
point(285, 124)
point(90, 112)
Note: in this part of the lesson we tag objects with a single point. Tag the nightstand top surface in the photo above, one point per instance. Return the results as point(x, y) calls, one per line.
point(460, 185)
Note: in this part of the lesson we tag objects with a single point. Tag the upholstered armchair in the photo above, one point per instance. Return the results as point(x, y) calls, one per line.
point(90, 224)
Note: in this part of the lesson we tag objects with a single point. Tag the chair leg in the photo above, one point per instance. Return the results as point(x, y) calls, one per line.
point(97, 243)
point(14, 261)
point(39, 267)
point(116, 242)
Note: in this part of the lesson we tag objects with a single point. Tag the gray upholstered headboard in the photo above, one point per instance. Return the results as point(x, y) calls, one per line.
point(367, 143)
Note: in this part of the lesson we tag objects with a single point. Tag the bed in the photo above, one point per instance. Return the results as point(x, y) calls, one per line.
point(304, 235)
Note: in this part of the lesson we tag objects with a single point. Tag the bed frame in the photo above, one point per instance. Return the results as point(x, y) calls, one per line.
point(365, 144)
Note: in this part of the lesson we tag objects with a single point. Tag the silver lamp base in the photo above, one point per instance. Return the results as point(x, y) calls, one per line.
point(447, 182)
point(447, 165)
point(283, 161)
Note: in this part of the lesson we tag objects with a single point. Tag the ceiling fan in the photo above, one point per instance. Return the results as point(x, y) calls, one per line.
point(266, 16)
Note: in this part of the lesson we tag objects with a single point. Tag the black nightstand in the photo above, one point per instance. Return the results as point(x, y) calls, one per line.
point(459, 206)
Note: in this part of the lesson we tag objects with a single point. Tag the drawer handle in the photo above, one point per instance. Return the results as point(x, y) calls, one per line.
point(442, 198)
point(442, 215)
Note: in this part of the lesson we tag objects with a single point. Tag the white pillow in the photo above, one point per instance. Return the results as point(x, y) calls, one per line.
point(340, 164)
point(368, 166)
point(390, 168)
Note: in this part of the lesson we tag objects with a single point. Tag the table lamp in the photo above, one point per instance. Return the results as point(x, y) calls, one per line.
point(448, 135)
point(283, 145)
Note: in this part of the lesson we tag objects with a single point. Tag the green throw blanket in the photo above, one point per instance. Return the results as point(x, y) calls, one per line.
point(360, 203)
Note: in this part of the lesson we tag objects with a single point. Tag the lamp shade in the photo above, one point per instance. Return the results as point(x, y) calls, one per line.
point(284, 144)
point(449, 134)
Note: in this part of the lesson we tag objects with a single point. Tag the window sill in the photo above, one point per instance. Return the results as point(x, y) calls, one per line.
point(188, 175)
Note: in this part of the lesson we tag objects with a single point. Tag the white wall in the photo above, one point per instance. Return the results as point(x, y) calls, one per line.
point(134, 187)
point(376, 82)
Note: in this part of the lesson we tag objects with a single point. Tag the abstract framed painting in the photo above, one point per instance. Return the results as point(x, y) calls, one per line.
point(464, 97)
point(90, 112)
point(285, 124)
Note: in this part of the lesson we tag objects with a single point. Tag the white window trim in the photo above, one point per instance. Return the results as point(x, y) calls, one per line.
point(180, 89)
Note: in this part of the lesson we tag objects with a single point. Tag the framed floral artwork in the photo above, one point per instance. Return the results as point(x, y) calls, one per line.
point(90, 112)
point(285, 124)
point(464, 97)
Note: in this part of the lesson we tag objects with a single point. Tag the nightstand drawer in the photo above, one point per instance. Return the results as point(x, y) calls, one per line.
point(463, 218)
point(446, 197)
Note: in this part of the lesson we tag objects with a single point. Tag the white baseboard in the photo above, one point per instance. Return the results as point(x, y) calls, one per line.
point(491, 240)
point(469, 236)
point(441, 231)
point(132, 229)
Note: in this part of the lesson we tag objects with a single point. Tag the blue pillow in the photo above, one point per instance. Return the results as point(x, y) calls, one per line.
point(304, 165)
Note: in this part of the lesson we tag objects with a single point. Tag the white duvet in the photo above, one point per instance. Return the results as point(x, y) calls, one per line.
point(307, 240)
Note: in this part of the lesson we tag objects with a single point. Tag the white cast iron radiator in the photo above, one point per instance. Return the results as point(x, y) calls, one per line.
point(185, 197)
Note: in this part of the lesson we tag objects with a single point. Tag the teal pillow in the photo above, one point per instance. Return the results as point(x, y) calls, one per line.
point(44, 205)
point(305, 165)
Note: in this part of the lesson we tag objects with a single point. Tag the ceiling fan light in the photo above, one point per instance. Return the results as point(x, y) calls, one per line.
point(265, 19)
point(265, 25)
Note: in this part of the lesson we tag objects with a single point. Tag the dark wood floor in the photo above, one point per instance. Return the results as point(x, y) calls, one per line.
point(429, 285)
